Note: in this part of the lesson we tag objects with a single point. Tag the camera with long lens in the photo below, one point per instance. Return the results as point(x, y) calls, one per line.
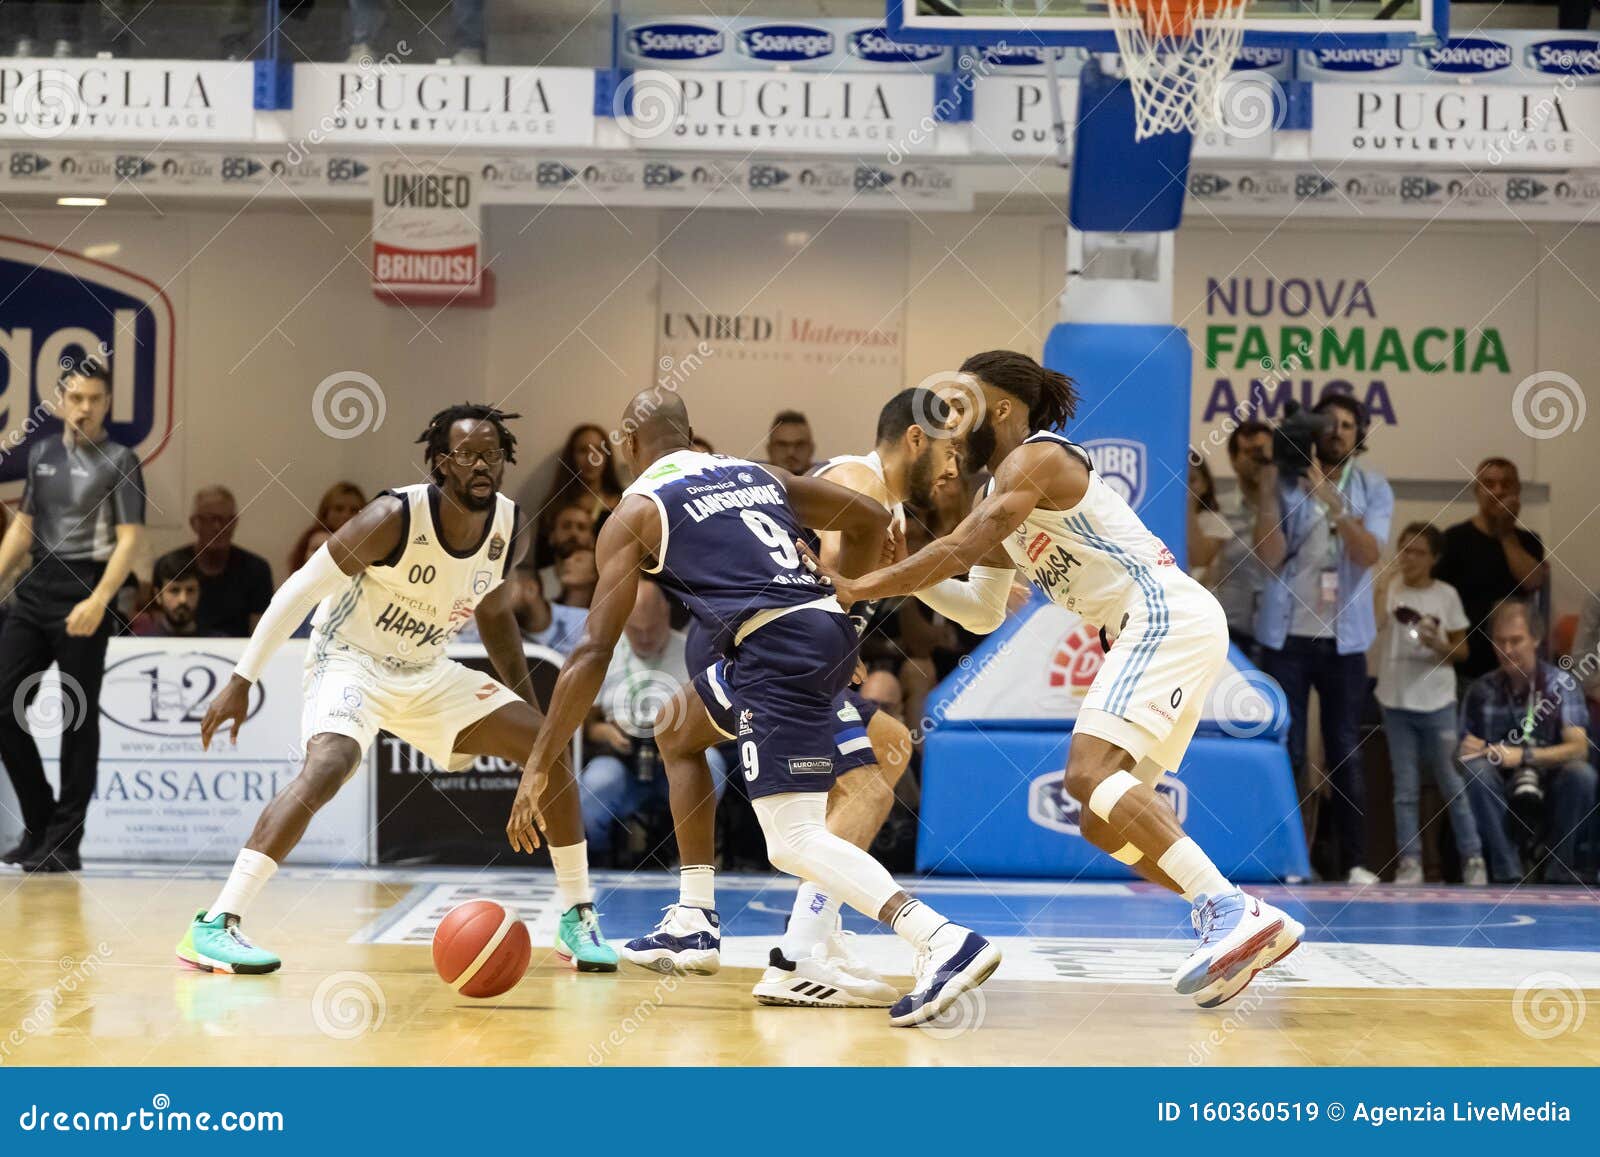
point(1294, 440)
point(1526, 795)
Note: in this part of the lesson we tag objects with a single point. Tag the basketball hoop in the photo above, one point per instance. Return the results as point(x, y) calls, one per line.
point(1175, 54)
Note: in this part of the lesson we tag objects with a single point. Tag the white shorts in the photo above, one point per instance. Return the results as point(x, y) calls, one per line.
point(1153, 684)
point(349, 693)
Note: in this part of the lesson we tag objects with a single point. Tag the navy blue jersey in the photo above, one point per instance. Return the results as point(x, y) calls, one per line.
point(727, 541)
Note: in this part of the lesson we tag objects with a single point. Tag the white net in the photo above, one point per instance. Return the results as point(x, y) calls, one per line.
point(1174, 63)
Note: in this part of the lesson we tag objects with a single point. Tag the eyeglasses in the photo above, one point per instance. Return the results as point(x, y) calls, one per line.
point(470, 458)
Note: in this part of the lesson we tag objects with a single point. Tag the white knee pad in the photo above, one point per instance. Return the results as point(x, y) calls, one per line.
point(798, 842)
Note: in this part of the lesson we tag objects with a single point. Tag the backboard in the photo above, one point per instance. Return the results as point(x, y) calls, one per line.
point(1300, 24)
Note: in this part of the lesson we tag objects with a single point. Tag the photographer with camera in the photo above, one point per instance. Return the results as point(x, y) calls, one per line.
point(1321, 521)
point(623, 780)
point(1524, 751)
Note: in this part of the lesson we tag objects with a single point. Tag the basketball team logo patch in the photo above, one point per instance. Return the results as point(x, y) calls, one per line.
point(1123, 464)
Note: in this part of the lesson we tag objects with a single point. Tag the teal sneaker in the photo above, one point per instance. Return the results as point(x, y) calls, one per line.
point(580, 942)
point(218, 946)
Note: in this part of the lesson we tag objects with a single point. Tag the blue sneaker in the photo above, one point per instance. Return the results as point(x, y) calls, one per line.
point(1239, 936)
point(955, 961)
point(687, 940)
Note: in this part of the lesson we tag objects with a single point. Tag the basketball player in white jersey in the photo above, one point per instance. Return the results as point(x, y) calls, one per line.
point(392, 587)
point(1048, 513)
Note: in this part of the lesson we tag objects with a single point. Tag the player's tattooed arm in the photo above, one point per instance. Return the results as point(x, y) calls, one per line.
point(860, 522)
point(1035, 474)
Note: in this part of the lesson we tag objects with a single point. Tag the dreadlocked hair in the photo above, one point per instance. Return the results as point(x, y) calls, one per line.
point(1050, 396)
point(436, 437)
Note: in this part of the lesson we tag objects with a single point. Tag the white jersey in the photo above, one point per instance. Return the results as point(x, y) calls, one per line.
point(897, 512)
point(1097, 559)
point(404, 610)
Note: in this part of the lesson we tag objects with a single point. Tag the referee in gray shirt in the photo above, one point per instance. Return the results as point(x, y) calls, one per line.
point(78, 529)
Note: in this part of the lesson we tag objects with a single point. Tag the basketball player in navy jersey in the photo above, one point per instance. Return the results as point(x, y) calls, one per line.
point(1048, 513)
point(720, 532)
point(392, 587)
point(813, 966)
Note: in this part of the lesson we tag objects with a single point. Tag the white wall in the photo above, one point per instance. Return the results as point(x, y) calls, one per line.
point(278, 299)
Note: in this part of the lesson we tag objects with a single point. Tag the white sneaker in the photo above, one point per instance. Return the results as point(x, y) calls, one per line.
point(1239, 936)
point(1361, 877)
point(837, 949)
point(955, 961)
point(686, 940)
point(818, 982)
point(1475, 873)
point(1409, 873)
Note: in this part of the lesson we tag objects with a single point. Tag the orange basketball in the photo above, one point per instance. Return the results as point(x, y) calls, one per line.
point(481, 949)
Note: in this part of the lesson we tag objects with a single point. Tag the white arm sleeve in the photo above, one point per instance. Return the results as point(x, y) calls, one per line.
point(304, 589)
point(979, 604)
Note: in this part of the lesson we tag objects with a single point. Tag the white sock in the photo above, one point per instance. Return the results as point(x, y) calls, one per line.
point(917, 923)
point(250, 874)
point(811, 921)
point(697, 886)
point(1192, 870)
point(572, 874)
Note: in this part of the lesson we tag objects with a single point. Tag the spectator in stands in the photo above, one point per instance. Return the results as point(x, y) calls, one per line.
point(586, 472)
point(623, 777)
point(368, 18)
point(1233, 572)
point(340, 503)
point(1422, 630)
point(884, 689)
point(1585, 657)
point(789, 442)
point(1524, 751)
point(578, 576)
point(572, 529)
point(76, 533)
point(235, 584)
point(700, 444)
point(1319, 536)
point(542, 622)
point(1206, 531)
point(1489, 559)
point(171, 614)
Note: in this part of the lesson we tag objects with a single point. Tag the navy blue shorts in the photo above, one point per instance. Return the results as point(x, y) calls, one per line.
point(775, 697)
point(852, 710)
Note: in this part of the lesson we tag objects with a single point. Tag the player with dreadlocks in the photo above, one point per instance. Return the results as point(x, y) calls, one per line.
point(1048, 513)
point(392, 587)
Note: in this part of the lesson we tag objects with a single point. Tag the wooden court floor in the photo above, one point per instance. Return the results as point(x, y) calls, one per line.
point(87, 977)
